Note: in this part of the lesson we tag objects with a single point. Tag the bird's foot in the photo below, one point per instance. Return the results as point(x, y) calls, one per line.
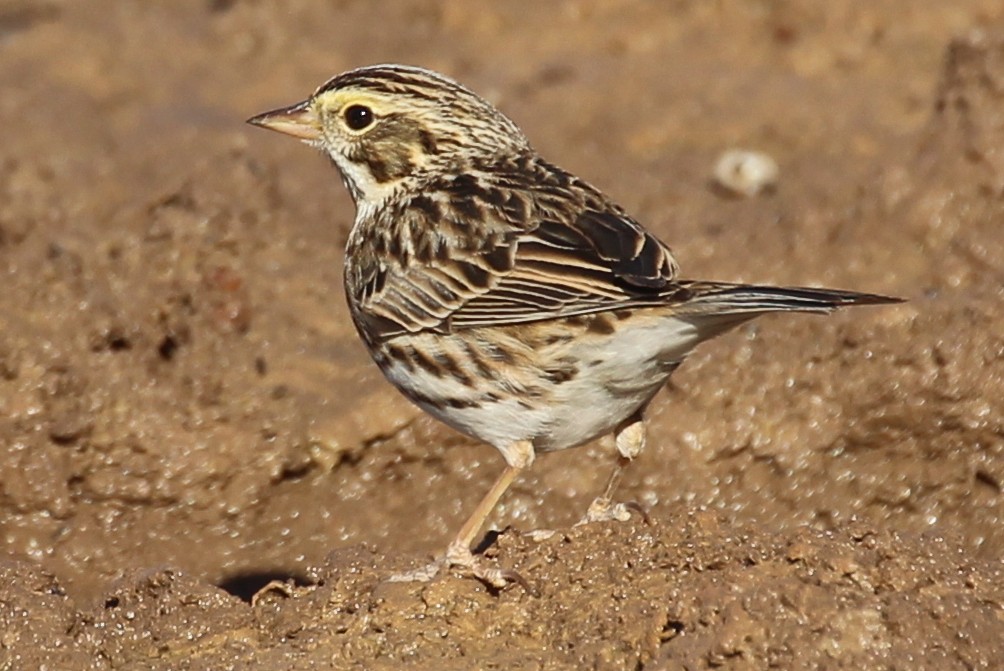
point(603, 509)
point(460, 557)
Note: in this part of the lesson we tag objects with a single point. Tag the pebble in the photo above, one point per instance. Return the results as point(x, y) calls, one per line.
point(746, 173)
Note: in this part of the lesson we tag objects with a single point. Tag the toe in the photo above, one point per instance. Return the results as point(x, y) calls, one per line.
point(460, 556)
point(605, 510)
point(422, 574)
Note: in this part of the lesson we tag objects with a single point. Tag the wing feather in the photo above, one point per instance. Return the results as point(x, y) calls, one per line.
point(557, 248)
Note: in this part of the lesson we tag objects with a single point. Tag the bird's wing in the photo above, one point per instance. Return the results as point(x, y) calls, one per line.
point(598, 261)
point(512, 249)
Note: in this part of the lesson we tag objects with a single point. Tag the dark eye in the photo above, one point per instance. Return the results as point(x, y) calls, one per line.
point(358, 117)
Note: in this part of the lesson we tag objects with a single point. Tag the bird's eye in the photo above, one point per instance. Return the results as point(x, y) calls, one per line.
point(358, 117)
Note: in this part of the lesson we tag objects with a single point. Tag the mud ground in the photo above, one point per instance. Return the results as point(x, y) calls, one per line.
point(186, 414)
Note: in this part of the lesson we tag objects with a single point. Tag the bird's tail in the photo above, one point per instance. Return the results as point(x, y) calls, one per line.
point(745, 301)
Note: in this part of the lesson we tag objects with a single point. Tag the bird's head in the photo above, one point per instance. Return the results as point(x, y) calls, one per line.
point(384, 125)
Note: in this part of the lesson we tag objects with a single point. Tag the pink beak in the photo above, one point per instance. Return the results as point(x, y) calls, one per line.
point(298, 120)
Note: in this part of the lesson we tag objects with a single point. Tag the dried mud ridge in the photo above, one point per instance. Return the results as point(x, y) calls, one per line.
point(686, 592)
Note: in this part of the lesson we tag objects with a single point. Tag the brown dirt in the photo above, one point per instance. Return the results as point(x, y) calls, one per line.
point(185, 412)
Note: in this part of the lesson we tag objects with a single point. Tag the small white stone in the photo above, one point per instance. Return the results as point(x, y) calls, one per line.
point(746, 173)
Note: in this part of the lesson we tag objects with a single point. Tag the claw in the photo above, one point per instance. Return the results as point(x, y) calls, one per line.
point(640, 509)
point(459, 556)
point(513, 576)
point(604, 510)
point(423, 574)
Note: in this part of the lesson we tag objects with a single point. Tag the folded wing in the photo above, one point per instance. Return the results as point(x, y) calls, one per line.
point(512, 247)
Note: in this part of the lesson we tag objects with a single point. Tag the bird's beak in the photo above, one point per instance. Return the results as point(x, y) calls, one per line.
point(298, 120)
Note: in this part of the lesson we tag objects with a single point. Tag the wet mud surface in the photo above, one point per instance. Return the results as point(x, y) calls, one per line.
point(186, 414)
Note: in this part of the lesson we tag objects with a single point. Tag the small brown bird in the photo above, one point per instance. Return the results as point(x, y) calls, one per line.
point(506, 297)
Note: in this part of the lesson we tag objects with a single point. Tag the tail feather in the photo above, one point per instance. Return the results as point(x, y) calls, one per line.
point(745, 299)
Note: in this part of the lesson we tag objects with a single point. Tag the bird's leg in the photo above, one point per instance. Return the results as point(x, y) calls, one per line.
point(630, 439)
point(518, 457)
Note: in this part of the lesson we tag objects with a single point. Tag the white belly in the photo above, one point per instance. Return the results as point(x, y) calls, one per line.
point(631, 367)
point(614, 375)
